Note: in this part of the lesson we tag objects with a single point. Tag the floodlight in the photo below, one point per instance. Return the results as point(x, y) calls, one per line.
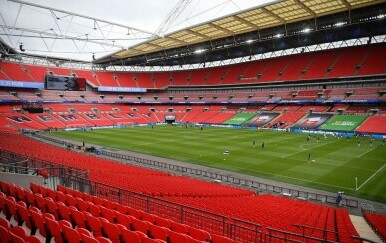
point(199, 51)
point(339, 24)
point(278, 35)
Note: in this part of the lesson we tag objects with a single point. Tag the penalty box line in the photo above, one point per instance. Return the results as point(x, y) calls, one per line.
point(370, 177)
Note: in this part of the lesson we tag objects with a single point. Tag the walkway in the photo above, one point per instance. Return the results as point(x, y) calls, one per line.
point(364, 228)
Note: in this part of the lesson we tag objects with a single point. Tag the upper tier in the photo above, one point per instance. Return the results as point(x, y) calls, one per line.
point(337, 63)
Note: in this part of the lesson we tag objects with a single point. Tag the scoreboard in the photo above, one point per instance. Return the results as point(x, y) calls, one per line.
point(53, 82)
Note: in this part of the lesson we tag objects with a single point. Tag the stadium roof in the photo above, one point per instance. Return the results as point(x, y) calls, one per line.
point(279, 13)
point(194, 31)
point(75, 30)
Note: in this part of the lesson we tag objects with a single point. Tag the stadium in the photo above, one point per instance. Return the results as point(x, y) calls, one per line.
point(228, 121)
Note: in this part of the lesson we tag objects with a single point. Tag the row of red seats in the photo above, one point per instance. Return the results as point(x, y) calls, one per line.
point(378, 222)
point(246, 212)
point(364, 93)
point(40, 222)
point(345, 227)
point(101, 217)
point(343, 62)
point(14, 234)
point(120, 175)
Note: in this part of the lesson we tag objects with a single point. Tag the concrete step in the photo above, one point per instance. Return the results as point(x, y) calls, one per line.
point(364, 228)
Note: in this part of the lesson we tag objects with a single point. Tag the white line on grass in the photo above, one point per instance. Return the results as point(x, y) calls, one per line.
point(285, 156)
point(337, 165)
point(365, 152)
point(290, 177)
point(371, 177)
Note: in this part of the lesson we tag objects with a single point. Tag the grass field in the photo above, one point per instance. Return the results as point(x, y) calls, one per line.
point(333, 165)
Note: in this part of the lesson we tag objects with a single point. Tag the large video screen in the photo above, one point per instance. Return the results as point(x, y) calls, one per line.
point(312, 121)
point(262, 119)
point(53, 82)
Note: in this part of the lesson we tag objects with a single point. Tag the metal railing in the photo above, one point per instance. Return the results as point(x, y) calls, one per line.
point(55, 174)
point(236, 229)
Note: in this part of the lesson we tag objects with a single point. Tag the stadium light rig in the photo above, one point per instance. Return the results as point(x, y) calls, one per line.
point(340, 24)
point(199, 51)
point(278, 35)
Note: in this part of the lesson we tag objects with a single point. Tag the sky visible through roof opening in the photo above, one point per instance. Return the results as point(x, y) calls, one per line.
point(47, 32)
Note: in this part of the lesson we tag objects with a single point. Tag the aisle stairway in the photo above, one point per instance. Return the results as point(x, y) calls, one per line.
point(364, 228)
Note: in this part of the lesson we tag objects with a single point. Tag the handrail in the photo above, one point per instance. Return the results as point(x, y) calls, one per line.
point(362, 238)
point(296, 235)
point(23, 161)
point(310, 227)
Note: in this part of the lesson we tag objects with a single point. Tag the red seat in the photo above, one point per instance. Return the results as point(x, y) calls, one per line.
point(149, 240)
point(107, 214)
point(30, 198)
point(130, 236)
point(147, 216)
point(71, 235)
point(133, 212)
point(112, 232)
point(103, 239)
point(81, 204)
point(4, 187)
point(15, 238)
point(60, 196)
point(83, 231)
point(51, 207)
point(158, 232)
point(5, 236)
point(121, 208)
point(93, 209)
point(198, 234)
point(77, 218)
point(54, 228)
point(175, 237)
point(22, 215)
point(140, 225)
point(51, 194)
point(43, 190)
point(37, 223)
point(97, 201)
point(2, 201)
point(9, 207)
point(77, 194)
point(177, 227)
point(12, 190)
point(125, 220)
point(70, 200)
point(63, 211)
point(162, 222)
point(108, 204)
point(40, 203)
point(20, 232)
point(94, 225)
point(221, 239)
point(5, 223)
point(89, 239)
point(87, 197)
point(20, 193)
point(33, 239)
point(60, 188)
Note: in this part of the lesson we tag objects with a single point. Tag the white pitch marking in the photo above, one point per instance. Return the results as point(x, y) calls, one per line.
point(371, 177)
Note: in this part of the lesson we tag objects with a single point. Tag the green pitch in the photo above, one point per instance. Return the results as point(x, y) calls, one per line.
point(334, 163)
